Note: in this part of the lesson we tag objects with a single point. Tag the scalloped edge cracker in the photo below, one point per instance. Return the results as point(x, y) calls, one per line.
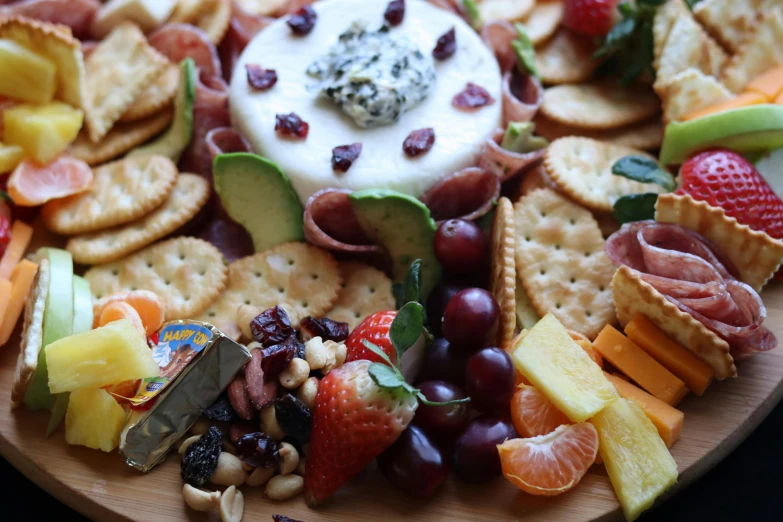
point(762, 51)
point(158, 96)
point(365, 290)
point(632, 296)
point(565, 58)
point(756, 255)
point(599, 106)
point(543, 21)
point(32, 333)
point(503, 274)
point(729, 21)
point(214, 21)
point(527, 317)
point(691, 90)
point(119, 69)
point(560, 261)
point(509, 10)
point(645, 135)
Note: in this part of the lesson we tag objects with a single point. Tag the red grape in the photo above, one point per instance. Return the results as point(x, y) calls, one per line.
point(471, 319)
point(489, 380)
point(476, 456)
point(461, 247)
point(439, 297)
point(414, 464)
point(443, 363)
point(442, 421)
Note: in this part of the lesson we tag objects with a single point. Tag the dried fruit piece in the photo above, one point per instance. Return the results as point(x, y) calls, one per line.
point(302, 21)
point(240, 429)
point(419, 141)
point(258, 450)
point(291, 125)
point(446, 45)
point(275, 358)
point(282, 518)
point(200, 460)
point(272, 326)
point(395, 12)
point(221, 410)
point(325, 328)
point(344, 156)
point(260, 78)
point(294, 417)
point(472, 97)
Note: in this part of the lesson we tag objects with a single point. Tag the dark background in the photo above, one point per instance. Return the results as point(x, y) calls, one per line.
point(746, 486)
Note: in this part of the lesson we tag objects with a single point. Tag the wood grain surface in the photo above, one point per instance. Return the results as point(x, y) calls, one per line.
point(104, 488)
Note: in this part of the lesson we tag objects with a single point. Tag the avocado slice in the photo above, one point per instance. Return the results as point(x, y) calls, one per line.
point(403, 225)
point(746, 130)
point(176, 139)
point(259, 196)
point(58, 323)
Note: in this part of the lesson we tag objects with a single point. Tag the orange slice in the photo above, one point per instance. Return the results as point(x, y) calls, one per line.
point(550, 464)
point(150, 306)
point(120, 310)
point(31, 185)
point(533, 414)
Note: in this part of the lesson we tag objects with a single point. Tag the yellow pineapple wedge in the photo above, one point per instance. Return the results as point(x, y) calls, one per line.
point(25, 75)
point(107, 355)
point(43, 131)
point(636, 459)
point(10, 157)
point(561, 370)
point(94, 419)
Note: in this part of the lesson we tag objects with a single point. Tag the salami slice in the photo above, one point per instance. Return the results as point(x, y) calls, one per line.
point(522, 96)
point(228, 236)
point(466, 194)
point(329, 222)
point(504, 163)
point(498, 35)
point(242, 28)
point(210, 111)
point(179, 41)
point(223, 140)
point(76, 14)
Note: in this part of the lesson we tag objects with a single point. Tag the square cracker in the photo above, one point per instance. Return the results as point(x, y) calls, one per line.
point(32, 333)
point(632, 296)
point(503, 275)
point(582, 169)
point(729, 21)
point(761, 52)
point(664, 19)
point(691, 90)
point(188, 273)
point(158, 96)
point(756, 255)
point(59, 46)
point(560, 261)
point(365, 290)
point(599, 106)
point(118, 70)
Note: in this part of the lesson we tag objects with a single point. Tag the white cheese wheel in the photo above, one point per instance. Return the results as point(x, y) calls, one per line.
point(382, 163)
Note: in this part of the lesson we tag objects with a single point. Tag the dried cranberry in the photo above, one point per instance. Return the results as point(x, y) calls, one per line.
point(291, 125)
point(344, 156)
point(272, 326)
point(221, 410)
point(303, 20)
point(472, 97)
point(200, 460)
point(260, 78)
point(446, 46)
point(419, 142)
point(327, 329)
point(258, 450)
point(240, 429)
point(283, 518)
point(275, 358)
point(395, 12)
point(293, 417)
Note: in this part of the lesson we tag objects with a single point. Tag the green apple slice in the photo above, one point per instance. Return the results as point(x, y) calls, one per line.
point(58, 323)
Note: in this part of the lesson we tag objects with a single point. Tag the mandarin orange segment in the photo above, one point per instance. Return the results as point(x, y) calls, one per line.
point(31, 185)
point(120, 310)
point(149, 305)
point(533, 414)
point(550, 464)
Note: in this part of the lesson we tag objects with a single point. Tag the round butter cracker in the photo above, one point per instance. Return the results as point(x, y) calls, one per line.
point(365, 290)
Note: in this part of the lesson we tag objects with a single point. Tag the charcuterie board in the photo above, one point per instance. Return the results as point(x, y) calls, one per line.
point(103, 488)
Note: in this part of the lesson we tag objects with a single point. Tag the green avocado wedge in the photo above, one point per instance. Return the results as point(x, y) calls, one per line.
point(747, 130)
point(258, 195)
point(177, 138)
point(402, 224)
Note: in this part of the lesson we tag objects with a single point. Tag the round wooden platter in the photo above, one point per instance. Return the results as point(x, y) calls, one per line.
point(104, 488)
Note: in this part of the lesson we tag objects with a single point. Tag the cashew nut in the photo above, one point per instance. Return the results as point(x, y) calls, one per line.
point(295, 374)
point(316, 354)
point(289, 458)
point(199, 499)
point(245, 314)
point(308, 391)
point(283, 487)
point(260, 476)
point(269, 423)
point(187, 442)
point(229, 471)
point(232, 505)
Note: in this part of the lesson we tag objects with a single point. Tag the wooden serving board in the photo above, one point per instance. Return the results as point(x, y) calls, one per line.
point(104, 488)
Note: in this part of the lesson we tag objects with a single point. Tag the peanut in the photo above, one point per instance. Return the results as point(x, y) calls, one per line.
point(260, 476)
point(200, 500)
point(289, 458)
point(308, 391)
point(283, 487)
point(187, 442)
point(316, 354)
point(269, 423)
point(245, 314)
point(232, 505)
point(229, 471)
point(295, 374)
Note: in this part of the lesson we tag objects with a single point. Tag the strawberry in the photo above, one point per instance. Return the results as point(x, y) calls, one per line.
point(5, 225)
point(589, 17)
point(375, 329)
point(725, 179)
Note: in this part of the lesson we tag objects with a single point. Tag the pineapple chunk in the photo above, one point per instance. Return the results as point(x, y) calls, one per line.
point(94, 419)
point(107, 355)
point(636, 459)
point(10, 157)
point(45, 131)
point(562, 370)
point(25, 75)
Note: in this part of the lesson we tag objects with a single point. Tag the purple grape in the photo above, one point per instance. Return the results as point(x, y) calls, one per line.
point(439, 297)
point(471, 319)
point(414, 464)
point(442, 362)
point(476, 456)
point(442, 422)
point(461, 247)
point(489, 380)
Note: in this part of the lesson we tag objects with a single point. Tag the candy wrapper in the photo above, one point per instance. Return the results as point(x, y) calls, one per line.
point(197, 363)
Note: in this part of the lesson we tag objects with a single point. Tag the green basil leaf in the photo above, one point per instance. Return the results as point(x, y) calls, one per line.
point(406, 327)
point(473, 14)
point(636, 207)
point(412, 286)
point(526, 53)
point(643, 170)
point(386, 377)
point(377, 351)
point(620, 33)
point(399, 295)
point(627, 10)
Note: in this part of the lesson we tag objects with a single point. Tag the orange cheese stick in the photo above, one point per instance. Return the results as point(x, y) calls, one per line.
point(695, 373)
point(768, 84)
point(20, 237)
point(667, 420)
point(639, 366)
point(745, 99)
point(22, 280)
point(5, 297)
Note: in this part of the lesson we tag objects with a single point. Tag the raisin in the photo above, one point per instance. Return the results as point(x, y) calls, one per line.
point(200, 460)
point(258, 450)
point(326, 329)
point(395, 12)
point(260, 78)
point(240, 429)
point(300, 350)
point(446, 46)
point(283, 518)
point(275, 358)
point(221, 410)
point(344, 156)
point(271, 326)
point(294, 417)
point(472, 97)
point(302, 21)
point(419, 141)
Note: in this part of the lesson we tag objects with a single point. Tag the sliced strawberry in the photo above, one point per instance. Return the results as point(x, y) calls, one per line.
point(590, 17)
point(375, 329)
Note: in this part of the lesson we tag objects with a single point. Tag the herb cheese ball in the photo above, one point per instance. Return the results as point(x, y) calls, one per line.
point(396, 86)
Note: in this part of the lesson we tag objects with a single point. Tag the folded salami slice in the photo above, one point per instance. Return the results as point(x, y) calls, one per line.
point(504, 163)
point(210, 111)
point(76, 14)
point(242, 28)
point(223, 140)
point(329, 222)
point(179, 41)
point(498, 36)
point(522, 96)
point(228, 236)
point(466, 194)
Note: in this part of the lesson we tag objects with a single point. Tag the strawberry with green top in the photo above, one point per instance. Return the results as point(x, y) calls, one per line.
point(375, 328)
